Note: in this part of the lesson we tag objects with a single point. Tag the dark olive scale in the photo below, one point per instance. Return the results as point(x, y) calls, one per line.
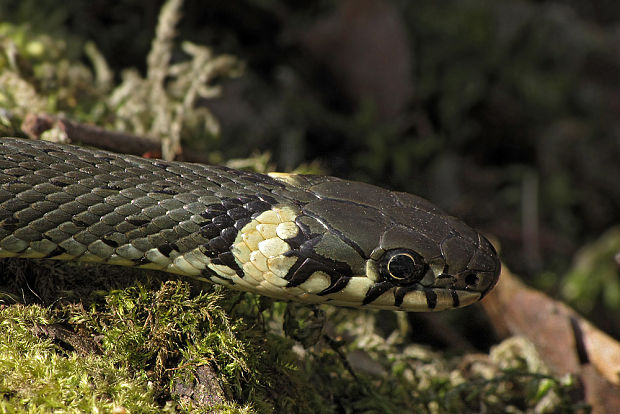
point(120, 203)
point(236, 213)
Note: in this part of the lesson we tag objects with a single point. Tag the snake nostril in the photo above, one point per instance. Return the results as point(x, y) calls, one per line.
point(471, 279)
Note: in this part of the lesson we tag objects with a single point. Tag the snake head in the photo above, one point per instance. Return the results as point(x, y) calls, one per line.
point(390, 250)
point(429, 260)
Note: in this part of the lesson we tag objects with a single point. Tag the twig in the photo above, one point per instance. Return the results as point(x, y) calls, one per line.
point(34, 125)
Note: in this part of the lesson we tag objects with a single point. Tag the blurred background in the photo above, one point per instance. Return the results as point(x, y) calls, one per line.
point(505, 113)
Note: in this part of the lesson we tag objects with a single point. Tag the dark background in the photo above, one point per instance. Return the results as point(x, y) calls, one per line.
point(506, 113)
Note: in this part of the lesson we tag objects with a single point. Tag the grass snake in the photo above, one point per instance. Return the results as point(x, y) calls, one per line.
point(313, 239)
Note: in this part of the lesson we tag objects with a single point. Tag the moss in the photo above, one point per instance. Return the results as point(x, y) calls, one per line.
point(152, 345)
point(39, 376)
point(156, 336)
point(594, 276)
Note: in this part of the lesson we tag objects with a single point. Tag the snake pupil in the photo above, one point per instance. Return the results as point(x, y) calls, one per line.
point(401, 266)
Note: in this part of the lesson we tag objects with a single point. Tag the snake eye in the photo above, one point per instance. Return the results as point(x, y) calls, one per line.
point(403, 267)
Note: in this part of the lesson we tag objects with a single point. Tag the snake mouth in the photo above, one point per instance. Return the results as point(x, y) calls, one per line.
point(434, 287)
point(415, 299)
point(426, 299)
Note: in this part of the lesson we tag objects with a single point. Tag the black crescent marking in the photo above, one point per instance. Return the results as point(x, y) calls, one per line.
point(375, 291)
point(399, 295)
point(335, 287)
point(302, 270)
point(304, 235)
point(431, 298)
point(455, 298)
point(310, 262)
point(302, 246)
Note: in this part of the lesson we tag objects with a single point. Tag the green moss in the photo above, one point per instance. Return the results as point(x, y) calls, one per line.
point(594, 276)
point(37, 375)
point(154, 342)
point(150, 347)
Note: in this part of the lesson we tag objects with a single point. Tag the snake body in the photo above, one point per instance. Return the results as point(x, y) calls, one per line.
point(314, 239)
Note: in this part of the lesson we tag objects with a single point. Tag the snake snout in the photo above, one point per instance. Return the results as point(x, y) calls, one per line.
point(471, 260)
point(482, 270)
point(486, 264)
